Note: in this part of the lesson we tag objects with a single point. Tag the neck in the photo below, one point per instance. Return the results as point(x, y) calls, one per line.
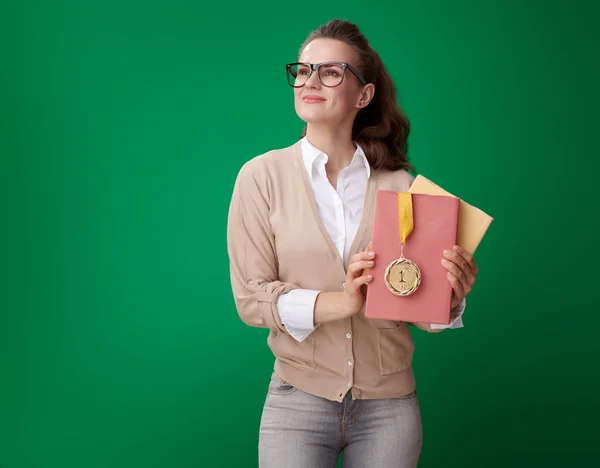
point(335, 142)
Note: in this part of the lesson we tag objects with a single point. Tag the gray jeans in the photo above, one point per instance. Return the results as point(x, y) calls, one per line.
point(299, 430)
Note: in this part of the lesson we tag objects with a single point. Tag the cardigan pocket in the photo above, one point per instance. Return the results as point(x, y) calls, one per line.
point(395, 348)
point(295, 353)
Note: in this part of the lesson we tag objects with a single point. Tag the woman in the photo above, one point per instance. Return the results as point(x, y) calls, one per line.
point(299, 241)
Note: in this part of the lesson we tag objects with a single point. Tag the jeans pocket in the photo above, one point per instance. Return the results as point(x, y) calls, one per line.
point(278, 386)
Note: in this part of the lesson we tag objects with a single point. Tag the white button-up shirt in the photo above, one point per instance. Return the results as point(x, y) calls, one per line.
point(340, 210)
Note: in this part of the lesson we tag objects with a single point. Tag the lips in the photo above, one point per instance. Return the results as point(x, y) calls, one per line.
point(313, 99)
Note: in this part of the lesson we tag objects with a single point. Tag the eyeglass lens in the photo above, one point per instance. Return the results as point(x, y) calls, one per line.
point(330, 74)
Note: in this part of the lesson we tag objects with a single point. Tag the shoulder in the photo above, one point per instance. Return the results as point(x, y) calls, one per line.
point(264, 172)
point(399, 180)
point(269, 163)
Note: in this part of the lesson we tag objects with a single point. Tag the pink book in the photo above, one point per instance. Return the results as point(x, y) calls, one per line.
point(435, 224)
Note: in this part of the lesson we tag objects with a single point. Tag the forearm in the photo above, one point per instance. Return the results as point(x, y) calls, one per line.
point(329, 306)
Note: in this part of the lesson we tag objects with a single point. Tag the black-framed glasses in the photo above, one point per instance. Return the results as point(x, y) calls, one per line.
point(330, 74)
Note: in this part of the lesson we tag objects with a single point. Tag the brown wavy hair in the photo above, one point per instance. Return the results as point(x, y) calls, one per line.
point(382, 127)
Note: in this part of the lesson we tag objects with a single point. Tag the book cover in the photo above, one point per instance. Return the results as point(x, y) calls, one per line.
point(434, 220)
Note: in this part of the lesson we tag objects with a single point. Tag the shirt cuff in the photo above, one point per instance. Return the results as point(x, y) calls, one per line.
point(297, 312)
point(456, 322)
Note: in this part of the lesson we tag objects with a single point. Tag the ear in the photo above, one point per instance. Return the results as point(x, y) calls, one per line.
point(366, 95)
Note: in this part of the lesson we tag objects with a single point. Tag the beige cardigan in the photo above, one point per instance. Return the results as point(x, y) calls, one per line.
point(276, 243)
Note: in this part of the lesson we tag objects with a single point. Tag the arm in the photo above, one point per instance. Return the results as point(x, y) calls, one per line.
point(339, 305)
point(251, 248)
point(257, 291)
point(296, 311)
point(304, 310)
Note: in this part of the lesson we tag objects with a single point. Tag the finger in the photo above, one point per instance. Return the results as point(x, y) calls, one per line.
point(356, 268)
point(460, 263)
point(456, 286)
point(366, 255)
point(466, 286)
point(364, 279)
point(356, 285)
point(468, 256)
point(454, 269)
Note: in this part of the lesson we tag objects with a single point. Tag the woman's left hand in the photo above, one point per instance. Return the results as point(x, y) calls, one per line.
point(462, 272)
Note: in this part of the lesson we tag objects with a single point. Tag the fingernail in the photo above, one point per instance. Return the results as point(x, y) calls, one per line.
point(369, 277)
point(445, 262)
point(447, 252)
point(371, 254)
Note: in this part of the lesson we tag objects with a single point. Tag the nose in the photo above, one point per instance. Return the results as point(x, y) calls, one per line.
point(313, 80)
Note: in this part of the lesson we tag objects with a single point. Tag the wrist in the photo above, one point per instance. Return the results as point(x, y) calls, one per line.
point(329, 306)
point(344, 305)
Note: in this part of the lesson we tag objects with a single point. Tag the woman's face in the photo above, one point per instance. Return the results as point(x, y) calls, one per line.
point(316, 103)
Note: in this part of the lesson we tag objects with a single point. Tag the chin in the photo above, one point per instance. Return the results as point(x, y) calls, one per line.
point(312, 115)
point(313, 119)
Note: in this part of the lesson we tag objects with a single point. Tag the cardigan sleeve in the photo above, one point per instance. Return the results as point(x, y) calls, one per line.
point(251, 248)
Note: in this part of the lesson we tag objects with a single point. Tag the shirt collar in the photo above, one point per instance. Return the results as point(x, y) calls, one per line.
point(312, 156)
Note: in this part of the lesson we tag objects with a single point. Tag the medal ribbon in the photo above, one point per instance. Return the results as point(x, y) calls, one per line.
point(405, 215)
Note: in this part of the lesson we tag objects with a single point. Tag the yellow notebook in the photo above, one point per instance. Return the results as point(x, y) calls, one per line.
point(472, 222)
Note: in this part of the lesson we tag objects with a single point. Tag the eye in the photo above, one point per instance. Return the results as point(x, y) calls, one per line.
point(332, 71)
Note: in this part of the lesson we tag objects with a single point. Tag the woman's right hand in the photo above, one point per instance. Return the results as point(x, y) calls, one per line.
point(330, 306)
point(357, 278)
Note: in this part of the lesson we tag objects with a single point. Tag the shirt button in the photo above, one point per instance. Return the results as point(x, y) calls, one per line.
point(348, 335)
point(349, 384)
point(350, 362)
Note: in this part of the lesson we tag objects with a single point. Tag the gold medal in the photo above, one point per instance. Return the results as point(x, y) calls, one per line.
point(403, 277)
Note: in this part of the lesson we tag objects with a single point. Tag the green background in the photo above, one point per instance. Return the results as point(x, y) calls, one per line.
point(122, 128)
